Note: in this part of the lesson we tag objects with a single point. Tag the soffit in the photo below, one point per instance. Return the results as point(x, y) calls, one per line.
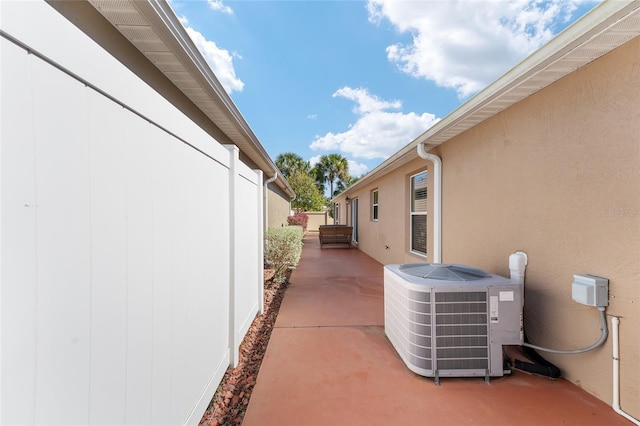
point(156, 32)
point(607, 27)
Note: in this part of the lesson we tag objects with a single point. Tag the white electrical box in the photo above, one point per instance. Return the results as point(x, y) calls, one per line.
point(590, 290)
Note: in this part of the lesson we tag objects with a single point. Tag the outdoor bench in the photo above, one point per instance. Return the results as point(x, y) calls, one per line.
point(335, 234)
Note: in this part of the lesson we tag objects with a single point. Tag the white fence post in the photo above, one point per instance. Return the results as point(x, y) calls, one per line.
point(245, 250)
point(234, 343)
point(260, 218)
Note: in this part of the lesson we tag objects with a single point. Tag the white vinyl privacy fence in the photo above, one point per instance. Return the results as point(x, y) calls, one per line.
point(130, 241)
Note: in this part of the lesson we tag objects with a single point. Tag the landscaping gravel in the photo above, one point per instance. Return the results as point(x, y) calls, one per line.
point(231, 399)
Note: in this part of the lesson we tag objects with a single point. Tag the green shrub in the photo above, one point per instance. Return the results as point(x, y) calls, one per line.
point(283, 247)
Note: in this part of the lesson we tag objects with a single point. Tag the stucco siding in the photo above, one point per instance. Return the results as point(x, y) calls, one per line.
point(386, 239)
point(317, 219)
point(557, 176)
point(279, 207)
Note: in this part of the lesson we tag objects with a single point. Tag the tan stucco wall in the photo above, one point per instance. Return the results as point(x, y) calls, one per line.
point(386, 239)
point(279, 207)
point(316, 219)
point(556, 176)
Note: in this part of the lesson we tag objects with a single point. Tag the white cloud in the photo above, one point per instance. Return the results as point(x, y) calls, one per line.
point(365, 102)
point(218, 6)
point(312, 116)
point(377, 133)
point(467, 44)
point(314, 160)
point(357, 169)
point(220, 60)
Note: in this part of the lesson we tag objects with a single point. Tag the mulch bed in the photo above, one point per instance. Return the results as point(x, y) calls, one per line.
point(231, 399)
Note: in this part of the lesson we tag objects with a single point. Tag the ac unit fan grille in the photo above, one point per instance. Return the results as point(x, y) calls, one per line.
point(419, 296)
point(462, 319)
point(461, 330)
point(463, 364)
point(457, 352)
point(457, 341)
point(466, 296)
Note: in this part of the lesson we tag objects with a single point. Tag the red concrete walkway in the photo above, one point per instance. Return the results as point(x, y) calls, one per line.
point(329, 363)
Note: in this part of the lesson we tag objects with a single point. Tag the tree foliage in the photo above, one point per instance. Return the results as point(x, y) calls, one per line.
point(308, 196)
point(289, 163)
point(334, 169)
point(309, 183)
point(342, 185)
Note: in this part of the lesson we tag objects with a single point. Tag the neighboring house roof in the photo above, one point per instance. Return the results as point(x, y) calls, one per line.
point(153, 28)
point(605, 28)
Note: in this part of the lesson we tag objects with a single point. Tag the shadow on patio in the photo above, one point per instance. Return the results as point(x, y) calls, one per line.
point(329, 363)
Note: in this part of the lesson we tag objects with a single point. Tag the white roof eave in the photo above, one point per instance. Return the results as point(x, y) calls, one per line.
point(154, 29)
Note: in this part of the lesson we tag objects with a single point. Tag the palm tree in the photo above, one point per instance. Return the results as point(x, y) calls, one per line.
point(332, 168)
point(289, 163)
point(342, 185)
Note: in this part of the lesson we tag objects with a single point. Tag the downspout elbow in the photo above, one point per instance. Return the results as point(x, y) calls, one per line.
point(437, 204)
point(271, 179)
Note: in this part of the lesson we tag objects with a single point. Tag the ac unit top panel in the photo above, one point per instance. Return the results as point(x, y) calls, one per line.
point(448, 275)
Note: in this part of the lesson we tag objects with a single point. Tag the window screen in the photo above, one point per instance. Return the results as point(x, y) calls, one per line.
point(374, 204)
point(419, 213)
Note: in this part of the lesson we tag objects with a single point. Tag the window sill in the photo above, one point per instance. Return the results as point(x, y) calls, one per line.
point(417, 254)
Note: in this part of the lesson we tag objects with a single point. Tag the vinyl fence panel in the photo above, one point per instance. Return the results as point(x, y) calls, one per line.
point(116, 266)
point(246, 249)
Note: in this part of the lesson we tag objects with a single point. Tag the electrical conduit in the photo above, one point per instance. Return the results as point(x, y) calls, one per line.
point(517, 266)
point(601, 340)
point(437, 203)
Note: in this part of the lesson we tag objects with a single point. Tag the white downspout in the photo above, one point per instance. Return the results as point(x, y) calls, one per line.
point(615, 321)
point(266, 200)
point(437, 202)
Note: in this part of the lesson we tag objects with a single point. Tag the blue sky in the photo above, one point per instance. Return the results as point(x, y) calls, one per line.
point(362, 78)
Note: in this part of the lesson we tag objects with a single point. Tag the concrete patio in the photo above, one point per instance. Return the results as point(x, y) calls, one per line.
point(329, 363)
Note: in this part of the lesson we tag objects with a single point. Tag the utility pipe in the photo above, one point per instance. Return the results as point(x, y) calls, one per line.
point(517, 266)
point(266, 200)
point(437, 203)
point(615, 321)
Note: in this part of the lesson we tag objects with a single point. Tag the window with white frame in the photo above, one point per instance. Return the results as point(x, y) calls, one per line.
point(374, 205)
point(336, 213)
point(418, 212)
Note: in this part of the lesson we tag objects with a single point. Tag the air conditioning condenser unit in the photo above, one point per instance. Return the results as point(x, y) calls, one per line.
point(448, 320)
